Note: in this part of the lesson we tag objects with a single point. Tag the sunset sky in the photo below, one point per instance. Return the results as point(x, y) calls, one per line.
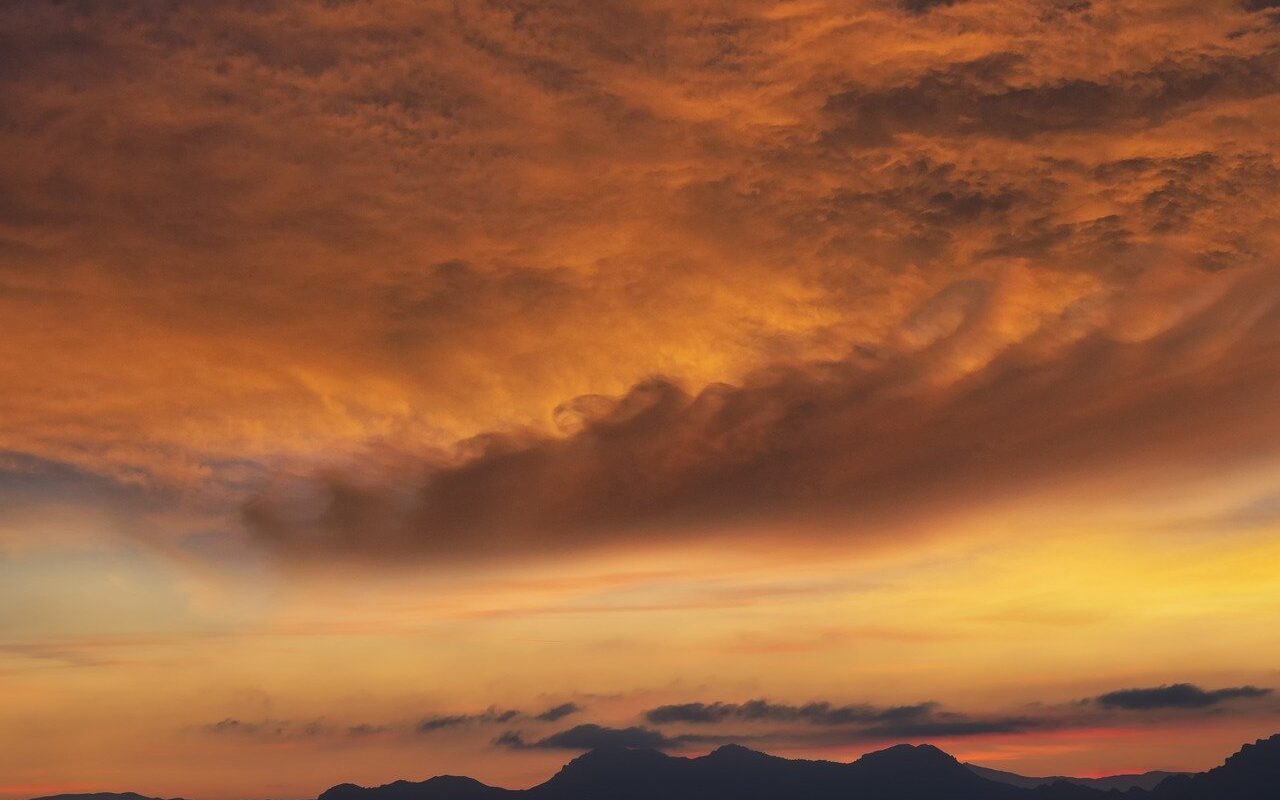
point(396, 388)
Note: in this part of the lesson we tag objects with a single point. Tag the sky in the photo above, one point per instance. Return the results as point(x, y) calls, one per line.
point(399, 388)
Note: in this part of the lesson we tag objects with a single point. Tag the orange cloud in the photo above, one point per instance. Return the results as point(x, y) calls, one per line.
point(284, 232)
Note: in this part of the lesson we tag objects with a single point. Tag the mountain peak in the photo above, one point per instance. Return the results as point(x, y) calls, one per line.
point(611, 760)
point(922, 771)
point(909, 756)
point(1263, 750)
point(612, 771)
point(1252, 773)
point(441, 787)
point(619, 754)
point(735, 752)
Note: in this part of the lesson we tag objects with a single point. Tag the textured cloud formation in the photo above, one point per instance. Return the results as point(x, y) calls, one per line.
point(1177, 695)
point(979, 97)
point(318, 229)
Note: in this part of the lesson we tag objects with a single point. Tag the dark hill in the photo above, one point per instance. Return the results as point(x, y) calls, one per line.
point(904, 772)
point(1253, 773)
point(100, 796)
point(442, 787)
point(1145, 780)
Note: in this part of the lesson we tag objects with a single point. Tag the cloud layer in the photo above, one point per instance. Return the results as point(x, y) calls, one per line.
point(336, 239)
point(821, 723)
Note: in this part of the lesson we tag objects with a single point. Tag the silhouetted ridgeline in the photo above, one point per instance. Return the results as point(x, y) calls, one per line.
point(1145, 780)
point(102, 796)
point(904, 772)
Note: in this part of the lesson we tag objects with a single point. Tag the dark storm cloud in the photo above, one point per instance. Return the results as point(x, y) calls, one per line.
point(1177, 695)
point(589, 737)
point(873, 438)
point(817, 713)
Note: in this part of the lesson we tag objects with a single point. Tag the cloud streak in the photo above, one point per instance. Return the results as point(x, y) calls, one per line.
point(1177, 695)
point(444, 721)
point(559, 712)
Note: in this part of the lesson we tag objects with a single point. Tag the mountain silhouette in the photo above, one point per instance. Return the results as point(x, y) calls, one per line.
point(1145, 780)
point(1252, 773)
point(441, 787)
point(903, 772)
point(101, 796)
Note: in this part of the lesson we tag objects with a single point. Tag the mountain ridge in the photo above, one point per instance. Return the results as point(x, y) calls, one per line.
point(1121, 782)
point(901, 772)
